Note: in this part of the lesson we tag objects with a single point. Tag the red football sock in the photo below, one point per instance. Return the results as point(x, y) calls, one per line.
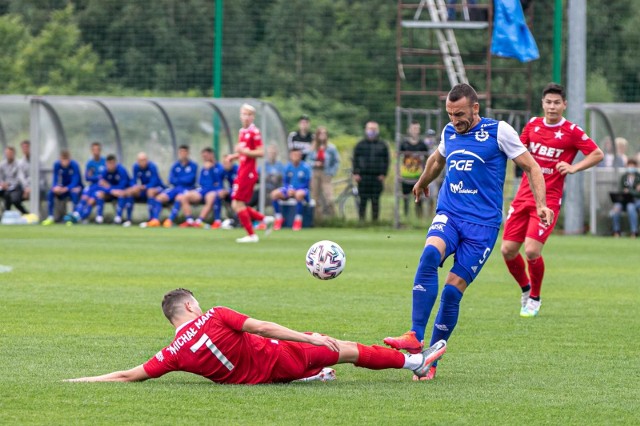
point(255, 215)
point(518, 270)
point(536, 271)
point(245, 219)
point(378, 358)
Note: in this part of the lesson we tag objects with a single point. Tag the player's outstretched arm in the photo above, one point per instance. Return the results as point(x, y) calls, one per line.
point(536, 180)
point(136, 374)
point(433, 168)
point(277, 331)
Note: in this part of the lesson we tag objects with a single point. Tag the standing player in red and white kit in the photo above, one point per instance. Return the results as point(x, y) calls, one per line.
point(248, 149)
point(230, 348)
point(554, 143)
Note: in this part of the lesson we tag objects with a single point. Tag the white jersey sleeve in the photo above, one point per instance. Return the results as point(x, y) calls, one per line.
point(441, 148)
point(509, 141)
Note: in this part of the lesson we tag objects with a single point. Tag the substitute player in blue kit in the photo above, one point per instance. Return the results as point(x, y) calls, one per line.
point(113, 182)
point(474, 151)
point(146, 182)
point(296, 179)
point(210, 192)
point(182, 176)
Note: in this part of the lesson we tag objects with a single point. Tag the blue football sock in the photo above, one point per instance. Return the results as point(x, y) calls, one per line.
point(217, 209)
point(99, 206)
point(120, 206)
point(175, 210)
point(299, 208)
point(157, 208)
point(50, 200)
point(86, 210)
point(447, 317)
point(75, 198)
point(425, 290)
point(276, 206)
point(129, 207)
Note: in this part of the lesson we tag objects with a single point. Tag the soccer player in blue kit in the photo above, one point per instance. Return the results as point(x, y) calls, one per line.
point(146, 182)
point(210, 193)
point(474, 150)
point(296, 179)
point(92, 172)
point(67, 183)
point(183, 178)
point(113, 182)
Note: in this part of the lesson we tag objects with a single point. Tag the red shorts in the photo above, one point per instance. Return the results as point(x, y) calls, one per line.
point(243, 187)
point(300, 360)
point(523, 222)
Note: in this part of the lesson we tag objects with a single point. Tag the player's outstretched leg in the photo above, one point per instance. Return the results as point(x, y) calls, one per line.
point(425, 292)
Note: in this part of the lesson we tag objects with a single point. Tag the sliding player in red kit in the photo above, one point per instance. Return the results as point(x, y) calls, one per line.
point(230, 348)
point(248, 150)
point(554, 143)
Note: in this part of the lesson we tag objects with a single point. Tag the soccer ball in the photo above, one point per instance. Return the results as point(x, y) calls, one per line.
point(326, 260)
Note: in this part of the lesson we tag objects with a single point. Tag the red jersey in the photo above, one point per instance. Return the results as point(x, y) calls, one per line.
point(250, 138)
point(214, 346)
point(550, 144)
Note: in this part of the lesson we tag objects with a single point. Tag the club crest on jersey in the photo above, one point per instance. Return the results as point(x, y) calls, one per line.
point(535, 129)
point(482, 135)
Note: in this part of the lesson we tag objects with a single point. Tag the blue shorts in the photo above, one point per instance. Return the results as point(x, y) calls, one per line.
point(471, 244)
point(90, 191)
point(204, 191)
point(172, 193)
point(285, 192)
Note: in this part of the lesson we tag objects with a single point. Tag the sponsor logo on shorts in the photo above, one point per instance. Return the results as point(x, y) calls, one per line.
point(160, 356)
point(437, 227)
point(474, 268)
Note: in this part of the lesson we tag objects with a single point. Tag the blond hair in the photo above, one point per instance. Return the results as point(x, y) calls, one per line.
point(249, 108)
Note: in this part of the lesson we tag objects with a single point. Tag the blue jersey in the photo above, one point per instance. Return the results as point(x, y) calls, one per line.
point(148, 177)
point(298, 176)
point(94, 169)
point(231, 175)
point(67, 176)
point(212, 178)
point(118, 179)
point(475, 169)
point(183, 175)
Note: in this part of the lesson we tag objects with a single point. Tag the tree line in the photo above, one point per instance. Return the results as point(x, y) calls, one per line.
point(334, 59)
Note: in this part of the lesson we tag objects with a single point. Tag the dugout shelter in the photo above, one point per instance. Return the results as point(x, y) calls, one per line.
point(125, 126)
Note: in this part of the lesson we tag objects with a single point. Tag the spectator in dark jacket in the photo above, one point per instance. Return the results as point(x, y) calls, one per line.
point(370, 167)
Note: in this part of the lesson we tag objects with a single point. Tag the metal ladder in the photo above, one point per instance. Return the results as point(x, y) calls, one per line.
point(447, 41)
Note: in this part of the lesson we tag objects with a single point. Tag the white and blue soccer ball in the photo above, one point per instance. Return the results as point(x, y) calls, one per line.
point(326, 260)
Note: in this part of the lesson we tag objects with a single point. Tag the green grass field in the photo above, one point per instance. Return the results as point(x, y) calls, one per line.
point(85, 300)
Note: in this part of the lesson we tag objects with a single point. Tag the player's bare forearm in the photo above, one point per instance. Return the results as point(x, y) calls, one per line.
point(433, 168)
point(590, 160)
point(277, 331)
point(136, 374)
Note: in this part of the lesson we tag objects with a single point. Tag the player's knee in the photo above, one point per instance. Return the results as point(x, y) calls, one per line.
point(532, 253)
point(430, 257)
point(508, 252)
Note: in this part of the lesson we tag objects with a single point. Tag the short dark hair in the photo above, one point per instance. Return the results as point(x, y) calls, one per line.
point(10, 148)
point(463, 90)
point(171, 301)
point(184, 147)
point(632, 161)
point(207, 149)
point(65, 154)
point(96, 143)
point(555, 89)
point(111, 157)
point(25, 142)
point(304, 117)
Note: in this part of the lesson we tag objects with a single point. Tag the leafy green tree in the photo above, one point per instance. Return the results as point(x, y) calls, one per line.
point(53, 61)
